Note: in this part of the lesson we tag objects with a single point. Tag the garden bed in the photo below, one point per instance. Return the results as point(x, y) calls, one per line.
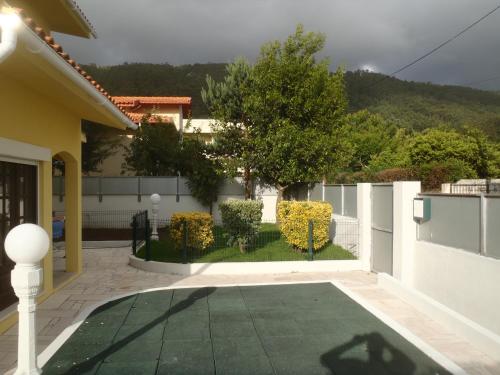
point(269, 246)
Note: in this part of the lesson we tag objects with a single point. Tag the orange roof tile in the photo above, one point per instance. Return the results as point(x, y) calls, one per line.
point(135, 100)
point(49, 40)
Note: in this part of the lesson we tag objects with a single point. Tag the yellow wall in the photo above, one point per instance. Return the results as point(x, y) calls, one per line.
point(29, 117)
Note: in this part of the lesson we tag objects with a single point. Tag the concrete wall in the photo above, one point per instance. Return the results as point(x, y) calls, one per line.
point(168, 204)
point(467, 283)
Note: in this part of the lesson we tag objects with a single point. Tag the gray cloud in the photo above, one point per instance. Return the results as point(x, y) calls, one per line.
point(385, 34)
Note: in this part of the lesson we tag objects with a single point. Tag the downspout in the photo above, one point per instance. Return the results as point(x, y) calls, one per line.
point(8, 37)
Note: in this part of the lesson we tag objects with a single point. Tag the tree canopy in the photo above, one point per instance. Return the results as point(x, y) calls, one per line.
point(154, 150)
point(225, 101)
point(295, 109)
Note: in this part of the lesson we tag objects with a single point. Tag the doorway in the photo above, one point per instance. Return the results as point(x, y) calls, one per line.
point(18, 205)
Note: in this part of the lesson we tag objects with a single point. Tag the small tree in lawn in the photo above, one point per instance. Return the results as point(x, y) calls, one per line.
point(296, 109)
point(225, 102)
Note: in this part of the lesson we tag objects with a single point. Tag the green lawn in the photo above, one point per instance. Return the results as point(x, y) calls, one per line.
point(269, 246)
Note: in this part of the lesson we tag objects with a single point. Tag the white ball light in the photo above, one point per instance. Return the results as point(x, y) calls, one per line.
point(27, 244)
point(155, 198)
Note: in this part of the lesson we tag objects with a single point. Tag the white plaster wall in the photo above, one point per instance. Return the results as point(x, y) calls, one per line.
point(465, 282)
point(168, 204)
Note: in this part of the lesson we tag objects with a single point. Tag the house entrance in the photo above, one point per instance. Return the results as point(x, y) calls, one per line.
point(18, 205)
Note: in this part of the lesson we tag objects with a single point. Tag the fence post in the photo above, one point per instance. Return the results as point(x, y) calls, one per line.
point(99, 187)
point(139, 193)
point(134, 235)
point(184, 241)
point(482, 224)
point(342, 198)
point(147, 239)
point(177, 196)
point(364, 204)
point(311, 240)
point(323, 189)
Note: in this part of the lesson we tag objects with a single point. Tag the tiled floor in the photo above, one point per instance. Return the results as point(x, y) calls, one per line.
point(107, 274)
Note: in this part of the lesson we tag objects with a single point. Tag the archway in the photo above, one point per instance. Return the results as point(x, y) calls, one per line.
point(66, 206)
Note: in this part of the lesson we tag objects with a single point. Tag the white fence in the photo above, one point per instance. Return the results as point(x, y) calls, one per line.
point(133, 193)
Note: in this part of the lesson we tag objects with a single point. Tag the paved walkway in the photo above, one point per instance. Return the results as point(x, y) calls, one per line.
point(107, 274)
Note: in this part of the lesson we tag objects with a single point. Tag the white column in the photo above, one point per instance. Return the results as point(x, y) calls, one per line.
point(364, 192)
point(155, 200)
point(404, 230)
point(26, 245)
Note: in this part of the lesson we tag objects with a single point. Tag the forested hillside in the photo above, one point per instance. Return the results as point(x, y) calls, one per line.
point(410, 105)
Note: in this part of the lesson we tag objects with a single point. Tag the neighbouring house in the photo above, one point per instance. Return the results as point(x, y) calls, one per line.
point(44, 96)
point(156, 109)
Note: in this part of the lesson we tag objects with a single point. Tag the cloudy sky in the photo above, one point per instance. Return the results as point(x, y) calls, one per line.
point(382, 35)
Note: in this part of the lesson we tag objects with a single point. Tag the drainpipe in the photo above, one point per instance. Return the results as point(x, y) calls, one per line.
point(8, 41)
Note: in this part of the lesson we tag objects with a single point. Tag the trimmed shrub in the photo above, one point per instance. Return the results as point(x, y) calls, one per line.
point(395, 174)
point(241, 219)
point(294, 223)
point(434, 174)
point(199, 227)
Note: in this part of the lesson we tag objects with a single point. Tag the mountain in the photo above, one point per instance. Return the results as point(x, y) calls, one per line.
point(412, 105)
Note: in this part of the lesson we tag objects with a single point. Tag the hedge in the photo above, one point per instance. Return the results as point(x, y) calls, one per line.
point(199, 227)
point(241, 219)
point(294, 223)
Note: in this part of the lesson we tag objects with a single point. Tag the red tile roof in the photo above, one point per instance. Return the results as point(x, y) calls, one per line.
point(136, 100)
point(49, 40)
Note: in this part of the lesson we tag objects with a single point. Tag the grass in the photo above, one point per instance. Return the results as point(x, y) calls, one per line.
point(269, 246)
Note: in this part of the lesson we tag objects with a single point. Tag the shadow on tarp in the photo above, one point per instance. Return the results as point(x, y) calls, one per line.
point(383, 358)
point(184, 304)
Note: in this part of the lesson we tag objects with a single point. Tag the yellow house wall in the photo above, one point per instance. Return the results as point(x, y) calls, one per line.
point(29, 117)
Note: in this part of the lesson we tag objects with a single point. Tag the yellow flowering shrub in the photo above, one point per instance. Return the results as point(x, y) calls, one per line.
point(199, 227)
point(294, 223)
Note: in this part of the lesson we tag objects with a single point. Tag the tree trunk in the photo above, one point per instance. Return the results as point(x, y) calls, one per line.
point(247, 179)
point(279, 198)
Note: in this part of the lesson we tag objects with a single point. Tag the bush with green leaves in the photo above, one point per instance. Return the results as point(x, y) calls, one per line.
point(241, 219)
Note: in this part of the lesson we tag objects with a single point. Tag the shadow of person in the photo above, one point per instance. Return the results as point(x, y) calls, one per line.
point(383, 358)
point(91, 362)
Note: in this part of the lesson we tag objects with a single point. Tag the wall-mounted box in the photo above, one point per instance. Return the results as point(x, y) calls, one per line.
point(421, 209)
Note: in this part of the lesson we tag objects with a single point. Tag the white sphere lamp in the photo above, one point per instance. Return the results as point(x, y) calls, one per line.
point(27, 244)
point(155, 198)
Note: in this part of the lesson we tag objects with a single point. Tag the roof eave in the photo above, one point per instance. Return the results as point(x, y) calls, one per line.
point(37, 46)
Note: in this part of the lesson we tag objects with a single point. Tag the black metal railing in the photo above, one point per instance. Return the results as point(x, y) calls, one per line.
point(486, 188)
point(141, 233)
point(267, 245)
point(110, 225)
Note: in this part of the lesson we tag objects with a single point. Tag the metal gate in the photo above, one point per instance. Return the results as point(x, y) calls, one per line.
point(382, 196)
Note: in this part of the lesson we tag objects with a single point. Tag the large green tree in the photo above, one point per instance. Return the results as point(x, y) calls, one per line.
point(368, 136)
point(225, 103)
point(295, 108)
point(154, 150)
point(204, 173)
point(478, 155)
